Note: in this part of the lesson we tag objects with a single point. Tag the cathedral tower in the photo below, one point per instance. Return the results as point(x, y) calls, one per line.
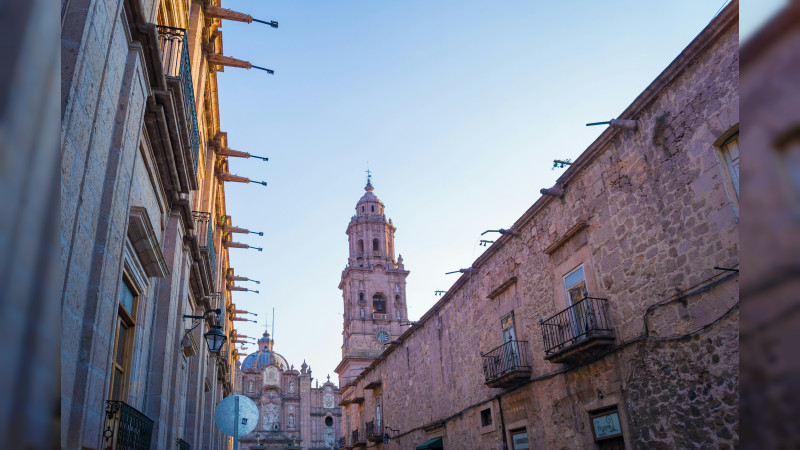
point(373, 288)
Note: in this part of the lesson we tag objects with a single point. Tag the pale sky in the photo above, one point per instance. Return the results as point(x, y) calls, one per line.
point(459, 106)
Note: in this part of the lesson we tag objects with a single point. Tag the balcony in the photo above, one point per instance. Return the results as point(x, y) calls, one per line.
point(204, 238)
point(380, 316)
point(171, 114)
point(578, 331)
point(507, 365)
point(374, 431)
point(357, 439)
point(125, 427)
point(343, 443)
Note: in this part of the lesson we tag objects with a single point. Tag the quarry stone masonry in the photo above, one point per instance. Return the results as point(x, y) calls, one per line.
point(606, 316)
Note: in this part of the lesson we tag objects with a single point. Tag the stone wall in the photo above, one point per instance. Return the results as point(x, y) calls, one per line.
point(648, 215)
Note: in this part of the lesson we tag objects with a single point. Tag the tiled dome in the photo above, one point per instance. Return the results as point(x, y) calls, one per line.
point(264, 356)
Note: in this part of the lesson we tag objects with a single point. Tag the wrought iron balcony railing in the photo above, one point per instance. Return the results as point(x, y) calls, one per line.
point(125, 427)
point(357, 439)
point(204, 233)
point(583, 323)
point(374, 431)
point(506, 364)
point(183, 445)
point(175, 61)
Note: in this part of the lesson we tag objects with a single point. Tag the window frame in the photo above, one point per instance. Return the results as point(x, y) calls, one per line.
point(721, 151)
point(126, 318)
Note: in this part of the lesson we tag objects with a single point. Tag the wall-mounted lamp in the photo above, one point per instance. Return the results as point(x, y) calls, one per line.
point(484, 243)
point(410, 323)
point(386, 437)
point(502, 231)
point(468, 270)
point(215, 337)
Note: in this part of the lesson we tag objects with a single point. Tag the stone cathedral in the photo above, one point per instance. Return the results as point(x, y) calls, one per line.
point(292, 413)
point(373, 288)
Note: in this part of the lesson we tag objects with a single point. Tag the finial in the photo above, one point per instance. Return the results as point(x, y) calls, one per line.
point(329, 378)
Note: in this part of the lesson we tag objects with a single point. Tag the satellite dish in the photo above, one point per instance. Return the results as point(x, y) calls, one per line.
point(238, 410)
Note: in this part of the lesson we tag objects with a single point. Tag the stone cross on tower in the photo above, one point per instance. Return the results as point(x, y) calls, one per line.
point(373, 286)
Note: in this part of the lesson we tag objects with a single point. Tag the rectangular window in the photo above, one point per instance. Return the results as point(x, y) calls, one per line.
point(575, 284)
point(123, 338)
point(730, 155)
point(606, 429)
point(486, 417)
point(519, 439)
point(378, 411)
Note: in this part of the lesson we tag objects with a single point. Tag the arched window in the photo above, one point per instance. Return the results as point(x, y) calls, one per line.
point(378, 305)
point(361, 246)
point(375, 245)
point(250, 386)
point(373, 208)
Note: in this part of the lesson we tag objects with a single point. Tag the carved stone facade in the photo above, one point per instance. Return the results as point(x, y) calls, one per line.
point(292, 412)
point(607, 315)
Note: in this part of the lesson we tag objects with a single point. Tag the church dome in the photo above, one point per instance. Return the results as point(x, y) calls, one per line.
point(261, 359)
point(264, 356)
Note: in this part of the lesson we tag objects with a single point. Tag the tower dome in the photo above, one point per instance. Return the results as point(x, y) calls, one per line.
point(369, 204)
point(264, 356)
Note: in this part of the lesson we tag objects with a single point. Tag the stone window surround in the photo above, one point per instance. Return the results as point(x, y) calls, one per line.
point(581, 257)
point(492, 426)
point(623, 419)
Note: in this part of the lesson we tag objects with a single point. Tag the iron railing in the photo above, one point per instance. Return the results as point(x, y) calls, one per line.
point(212, 253)
point(342, 442)
point(126, 428)
point(205, 240)
point(354, 434)
point(175, 60)
point(586, 318)
point(374, 432)
point(183, 445)
point(511, 356)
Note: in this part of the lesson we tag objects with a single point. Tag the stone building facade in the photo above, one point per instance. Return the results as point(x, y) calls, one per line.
point(293, 413)
point(606, 316)
point(144, 231)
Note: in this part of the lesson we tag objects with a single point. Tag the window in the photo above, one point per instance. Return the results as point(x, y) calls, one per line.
point(375, 245)
point(329, 421)
point(373, 208)
point(730, 156)
point(123, 339)
point(361, 246)
point(250, 386)
point(486, 417)
point(575, 284)
point(606, 428)
point(378, 411)
point(519, 439)
point(378, 305)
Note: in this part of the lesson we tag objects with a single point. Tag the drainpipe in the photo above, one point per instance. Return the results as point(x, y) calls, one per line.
point(502, 422)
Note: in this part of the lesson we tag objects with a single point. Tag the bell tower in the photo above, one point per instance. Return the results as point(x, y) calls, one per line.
point(373, 287)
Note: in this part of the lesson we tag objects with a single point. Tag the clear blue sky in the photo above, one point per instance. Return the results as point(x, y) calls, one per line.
point(459, 107)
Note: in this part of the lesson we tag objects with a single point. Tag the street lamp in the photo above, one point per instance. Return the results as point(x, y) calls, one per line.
point(215, 337)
